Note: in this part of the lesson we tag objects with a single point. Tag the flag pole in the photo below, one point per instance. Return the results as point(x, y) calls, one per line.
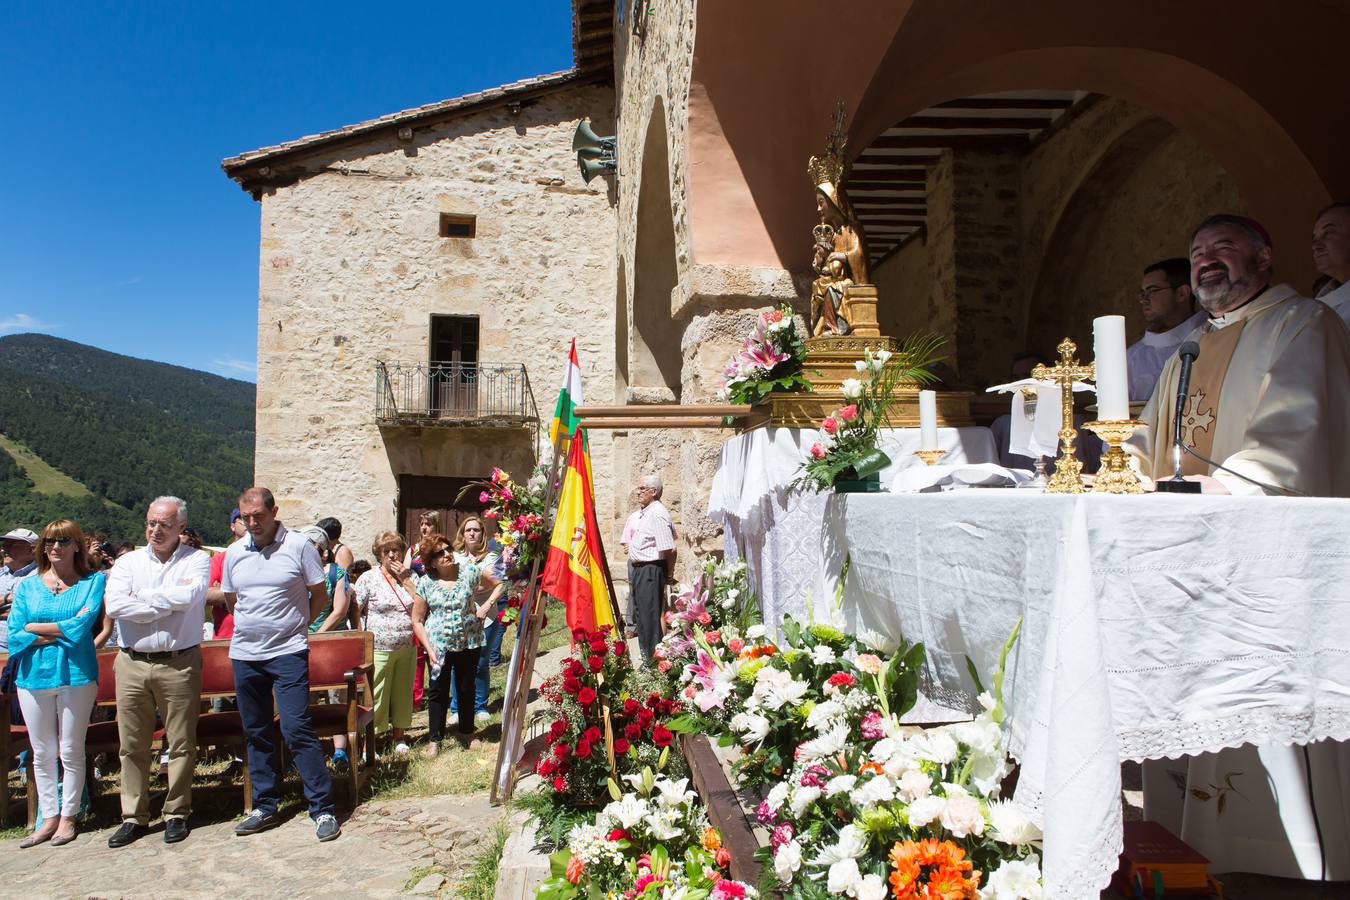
point(523, 654)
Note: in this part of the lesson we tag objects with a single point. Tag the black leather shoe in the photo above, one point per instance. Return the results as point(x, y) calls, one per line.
point(175, 830)
point(127, 833)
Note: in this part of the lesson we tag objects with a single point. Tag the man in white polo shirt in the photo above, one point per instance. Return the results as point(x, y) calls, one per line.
point(157, 596)
point(651, 553)
point(274, 584)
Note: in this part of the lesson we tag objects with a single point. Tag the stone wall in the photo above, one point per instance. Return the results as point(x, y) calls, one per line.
point(352, 268)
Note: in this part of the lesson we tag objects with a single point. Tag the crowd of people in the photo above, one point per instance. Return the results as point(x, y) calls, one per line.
point(66, 595)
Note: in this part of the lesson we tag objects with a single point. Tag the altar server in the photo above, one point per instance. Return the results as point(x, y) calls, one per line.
point(1331, 255)
point(1268, 393)
point(1268, 397)
point(1169, 318)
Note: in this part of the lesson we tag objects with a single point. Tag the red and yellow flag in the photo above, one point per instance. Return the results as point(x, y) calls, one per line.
point(574, 570)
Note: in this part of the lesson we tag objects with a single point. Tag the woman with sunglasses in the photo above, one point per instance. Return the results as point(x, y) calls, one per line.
point(386, 596)
point(51, 630)
point(448, 625)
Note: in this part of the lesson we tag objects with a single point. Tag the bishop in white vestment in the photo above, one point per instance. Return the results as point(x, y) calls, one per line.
point(1269, 398)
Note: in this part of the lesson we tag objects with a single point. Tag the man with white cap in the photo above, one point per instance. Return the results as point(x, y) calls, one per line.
point(19, 544)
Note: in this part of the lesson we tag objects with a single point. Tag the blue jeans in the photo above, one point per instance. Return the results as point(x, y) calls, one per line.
point(287, 678)
point(491, 656)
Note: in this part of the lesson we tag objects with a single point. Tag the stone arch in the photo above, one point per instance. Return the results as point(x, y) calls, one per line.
point(654, 358)
point(1088, 226)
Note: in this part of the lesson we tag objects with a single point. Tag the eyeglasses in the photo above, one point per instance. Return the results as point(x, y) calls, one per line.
point(1148, 292)
point(432, 557)
point(152, 524)
point(58, 541)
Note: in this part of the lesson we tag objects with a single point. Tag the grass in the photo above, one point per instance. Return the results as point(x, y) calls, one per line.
point(480, 882)
point(46, 479)
point(217, 791)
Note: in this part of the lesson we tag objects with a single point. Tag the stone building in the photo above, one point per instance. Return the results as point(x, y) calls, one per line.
point(1016, 164)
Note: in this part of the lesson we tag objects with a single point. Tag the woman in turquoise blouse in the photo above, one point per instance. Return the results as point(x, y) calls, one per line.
point(51, 635)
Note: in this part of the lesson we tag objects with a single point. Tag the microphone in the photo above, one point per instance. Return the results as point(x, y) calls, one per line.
point(1177, 484)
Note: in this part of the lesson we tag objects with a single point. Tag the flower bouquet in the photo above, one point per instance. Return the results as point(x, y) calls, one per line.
point(872, 808)
point(848, 449)
point(769, 360)
point(654, 842)
point(599, 729)
point(719, 603)
point(522, 521)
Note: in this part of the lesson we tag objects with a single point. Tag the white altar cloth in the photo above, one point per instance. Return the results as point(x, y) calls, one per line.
point(1152, 626)
point(777, 532)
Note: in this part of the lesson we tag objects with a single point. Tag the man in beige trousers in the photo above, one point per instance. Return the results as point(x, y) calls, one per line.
point(157, 595)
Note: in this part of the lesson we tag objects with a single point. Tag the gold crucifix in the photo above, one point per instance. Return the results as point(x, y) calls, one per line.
point(1068, 370)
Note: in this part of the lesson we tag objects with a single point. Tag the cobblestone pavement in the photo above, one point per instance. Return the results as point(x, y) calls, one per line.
point(382, 846)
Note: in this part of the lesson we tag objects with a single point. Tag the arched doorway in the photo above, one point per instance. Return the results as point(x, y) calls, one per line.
point(654, 360)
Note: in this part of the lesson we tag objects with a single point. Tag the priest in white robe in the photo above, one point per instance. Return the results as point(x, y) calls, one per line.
point(1166, 303)
point(1331, 255)
point(1269, 398)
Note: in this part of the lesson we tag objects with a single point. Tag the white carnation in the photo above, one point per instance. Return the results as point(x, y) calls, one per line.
point(787, 861)
point(1012, 824)
point(871, 888)
point(777, 796)
point(844, 877)
point(925, 810)
point(822, 654)
point(1016, 879)
point(874, 791)
point(840, 784)
point(802, 798)
point(852, 388)
point(755, 632)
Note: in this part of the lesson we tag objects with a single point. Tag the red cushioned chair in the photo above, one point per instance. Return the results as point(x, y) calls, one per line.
point(345, 660)
point(219, 729)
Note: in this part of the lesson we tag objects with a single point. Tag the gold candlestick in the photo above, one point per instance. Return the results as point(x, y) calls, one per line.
point(1066, 479)
point(1115, 475)
point(930, 457)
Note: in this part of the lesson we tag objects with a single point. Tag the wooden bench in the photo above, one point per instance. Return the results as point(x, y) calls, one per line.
point(342, 660)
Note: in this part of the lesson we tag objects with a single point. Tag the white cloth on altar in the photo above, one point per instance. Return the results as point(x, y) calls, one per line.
point(1131, 646)
point(777, 531)
point(1033, 428)
point(944, 476)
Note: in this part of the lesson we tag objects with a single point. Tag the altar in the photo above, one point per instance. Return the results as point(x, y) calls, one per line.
point(777, 530)
point(1151, 627)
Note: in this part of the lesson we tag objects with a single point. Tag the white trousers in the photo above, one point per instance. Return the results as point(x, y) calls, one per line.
point(57, 719)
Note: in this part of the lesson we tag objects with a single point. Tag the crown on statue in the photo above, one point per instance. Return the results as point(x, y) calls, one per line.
point(828, 168)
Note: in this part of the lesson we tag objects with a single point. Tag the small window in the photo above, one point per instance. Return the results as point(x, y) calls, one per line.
point(457, 226)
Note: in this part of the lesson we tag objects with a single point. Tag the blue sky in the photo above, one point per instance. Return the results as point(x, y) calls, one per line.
point(118, 227)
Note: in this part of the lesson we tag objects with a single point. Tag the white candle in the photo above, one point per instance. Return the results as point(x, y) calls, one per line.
point(1108, 348)
point(928, 420)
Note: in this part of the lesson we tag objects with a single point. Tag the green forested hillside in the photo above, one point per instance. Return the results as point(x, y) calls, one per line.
point(128, 429)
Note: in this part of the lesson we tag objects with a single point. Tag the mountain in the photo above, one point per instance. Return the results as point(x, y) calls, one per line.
point(128, 429)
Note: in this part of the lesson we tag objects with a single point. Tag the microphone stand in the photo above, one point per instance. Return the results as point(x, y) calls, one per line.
point(1177, 484)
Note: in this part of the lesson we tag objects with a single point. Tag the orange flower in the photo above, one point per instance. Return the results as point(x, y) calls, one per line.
point(711, 839)
point(574, 869)
point(932, 870)
point(873, 767)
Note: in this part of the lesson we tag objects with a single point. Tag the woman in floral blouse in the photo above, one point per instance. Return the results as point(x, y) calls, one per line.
point(449, 625)
point(387, 596)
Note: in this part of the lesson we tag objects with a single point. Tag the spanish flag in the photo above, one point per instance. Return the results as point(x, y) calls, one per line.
point(574, 570)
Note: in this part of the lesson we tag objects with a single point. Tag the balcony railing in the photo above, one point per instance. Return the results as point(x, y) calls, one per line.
point(478, 394)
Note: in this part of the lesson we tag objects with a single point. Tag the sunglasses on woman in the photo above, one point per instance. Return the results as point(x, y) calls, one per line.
point(60, 541)
point(432, 557)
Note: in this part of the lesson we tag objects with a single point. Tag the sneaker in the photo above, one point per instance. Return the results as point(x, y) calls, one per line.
point(431, 750)
point(402, 748)
point(256, 821)
point(340, 760)
point(326, 827)
point(481, 716)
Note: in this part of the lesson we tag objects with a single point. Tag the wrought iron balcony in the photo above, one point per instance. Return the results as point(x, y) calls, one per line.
point(454, 394)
